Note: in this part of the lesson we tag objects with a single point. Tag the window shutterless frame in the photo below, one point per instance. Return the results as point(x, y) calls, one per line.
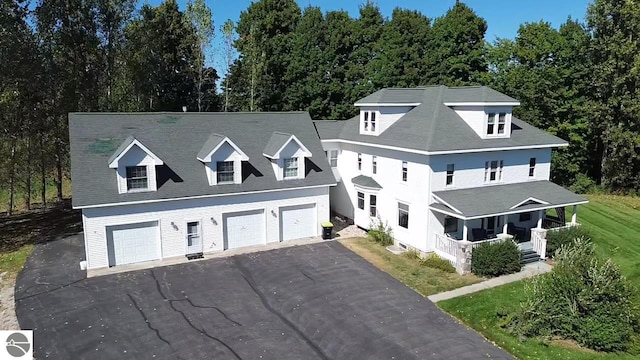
point(450, 171)
point(137, 178)
point(360, 200)
point(403, 215)
point(224, 172)
point(532, 167)
point(374, 164)
point(404, 171)
point(290, 168)
point(373, 211)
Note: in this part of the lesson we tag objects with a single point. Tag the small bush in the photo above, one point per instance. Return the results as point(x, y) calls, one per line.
point(581, 299)
point(381, 233)
point(412, 254)
point(434, 261)
point(583, 184)
point(495, 259)
point(558, 238)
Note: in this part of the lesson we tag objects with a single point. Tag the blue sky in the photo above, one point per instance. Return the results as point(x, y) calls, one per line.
point(503, 16)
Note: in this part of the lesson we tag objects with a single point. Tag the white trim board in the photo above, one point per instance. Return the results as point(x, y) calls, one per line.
point(156, 159)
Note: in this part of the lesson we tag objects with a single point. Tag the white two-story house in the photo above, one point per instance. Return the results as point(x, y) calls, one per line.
point(153, 186)
point(441, 164)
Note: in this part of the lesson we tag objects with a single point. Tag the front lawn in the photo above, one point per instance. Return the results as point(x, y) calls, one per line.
point(614, 222)
point(11, 262)
point(425, 280)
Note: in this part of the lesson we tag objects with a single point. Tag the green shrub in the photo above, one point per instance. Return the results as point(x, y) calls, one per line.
point(558, 238)
point(434, 261)
point(581, 299)
point(412, 254)
point(583, 184)
point(381, 233)
point(495, 259)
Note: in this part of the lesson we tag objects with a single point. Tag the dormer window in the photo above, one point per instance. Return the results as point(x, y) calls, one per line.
point(137, 178)
point(291, 168)
point(496, 124)
point(369, 121)
point(224, 172)
point(366, 121)
point(373, 121)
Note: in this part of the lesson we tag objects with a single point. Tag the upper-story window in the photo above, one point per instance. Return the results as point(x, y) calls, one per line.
point(493, 171)
point(359, 161)
point(369, 119)
point(290, 168)
point(450, 170)
point(137, 178)
point(496, 123)
point(224, 172)
point(532, 167)
point(404, 171)
point(374, 164)
point(333, 158)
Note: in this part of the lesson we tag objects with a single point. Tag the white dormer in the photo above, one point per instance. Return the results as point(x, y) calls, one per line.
point(135, 167)
point(375, 119)
point(288, 155)
point(222, 160)
point(489, 121)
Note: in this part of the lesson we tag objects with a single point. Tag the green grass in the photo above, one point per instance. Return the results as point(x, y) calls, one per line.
point(614, 222)
point(11, 262)
point(424, 280)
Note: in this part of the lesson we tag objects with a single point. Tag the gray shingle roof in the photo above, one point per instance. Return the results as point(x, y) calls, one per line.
point(212, 142)
point(475, 94)
point(276, 142)
point(366, 181)
point(433, 127)
point(329, 129)
point(451, 95)
point(177, 138)
point(493, 200)
point(121, 148)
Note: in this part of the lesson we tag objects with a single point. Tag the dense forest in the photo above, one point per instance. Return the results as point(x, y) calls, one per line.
point(580, 81)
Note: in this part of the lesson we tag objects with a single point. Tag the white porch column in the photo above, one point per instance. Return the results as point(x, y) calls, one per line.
point(465, 230)
point(574, 216)
point(540, 214)
point(505, 221)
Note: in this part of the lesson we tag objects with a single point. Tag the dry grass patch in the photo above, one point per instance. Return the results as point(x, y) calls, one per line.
point(425, 280)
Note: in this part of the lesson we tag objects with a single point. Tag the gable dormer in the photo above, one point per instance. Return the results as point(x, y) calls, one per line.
point(222, 160)
point(287, 154)
point(135, 167)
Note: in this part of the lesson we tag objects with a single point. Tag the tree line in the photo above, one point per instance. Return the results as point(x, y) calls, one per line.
point(579, 81)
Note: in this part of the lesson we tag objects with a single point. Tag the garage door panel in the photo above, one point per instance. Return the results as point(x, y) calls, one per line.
point(244, 229)
point(133, 243)
point(297, 222)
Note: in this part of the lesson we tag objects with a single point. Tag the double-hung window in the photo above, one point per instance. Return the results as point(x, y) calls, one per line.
point(333, 158)
point(359, 161)
point(493, 171)
point(450, 170)
point(360, 200)
point(291, 168)
point(374, 164)
point(372, 206)
point(373, 121)
point(137, 178)
point(496, 124)
point(532, 167)
point(404, 170)
point(224, 172)
point(403, 215)
point(369, 119)
point(366, 121)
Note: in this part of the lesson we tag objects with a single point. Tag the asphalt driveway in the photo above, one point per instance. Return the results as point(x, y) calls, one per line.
point(308, 302)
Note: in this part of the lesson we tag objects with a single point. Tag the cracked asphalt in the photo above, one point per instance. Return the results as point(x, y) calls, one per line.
point(317, 301)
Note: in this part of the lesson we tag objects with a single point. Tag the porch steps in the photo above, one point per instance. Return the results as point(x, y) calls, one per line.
point(528, 256)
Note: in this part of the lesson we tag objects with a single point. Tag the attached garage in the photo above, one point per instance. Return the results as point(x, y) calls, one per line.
point(244, 229)
point(132, 243)
point(297, 222)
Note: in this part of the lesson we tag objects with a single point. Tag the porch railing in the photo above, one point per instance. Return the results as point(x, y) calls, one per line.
point(447, 248)
point(539, 242)
point(565, 226)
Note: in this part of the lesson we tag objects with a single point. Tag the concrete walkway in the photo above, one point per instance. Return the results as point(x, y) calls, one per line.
point(527, 271)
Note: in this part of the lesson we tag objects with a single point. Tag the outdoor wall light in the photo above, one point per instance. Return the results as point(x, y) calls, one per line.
point(175, 227)
point(214, 221)
point(273, 212)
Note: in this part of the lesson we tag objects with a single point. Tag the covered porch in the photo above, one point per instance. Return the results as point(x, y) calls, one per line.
point(521, 212)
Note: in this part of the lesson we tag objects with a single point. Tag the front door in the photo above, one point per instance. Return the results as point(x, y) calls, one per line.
point(491, 224)
point(194, 238)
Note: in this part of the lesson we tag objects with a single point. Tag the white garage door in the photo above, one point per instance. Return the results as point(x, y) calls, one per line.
point(244, 229)
point(133, 243)
point(298, 222)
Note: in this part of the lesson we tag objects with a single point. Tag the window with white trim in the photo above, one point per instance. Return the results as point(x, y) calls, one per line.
point(369, 121)
point(224, 172)
point(373, 211)
point(291, 168)
point(403, 215)
point(359, 161)
point(450, 170)
point(493, 171)
point(450, 224)
point(137, 178)
point(333, 158)
point(360, 200)
point(532, 167)
point(374, 164)
point(404, 171)
point(373, 121)
point(496, 123)
point(366, 121)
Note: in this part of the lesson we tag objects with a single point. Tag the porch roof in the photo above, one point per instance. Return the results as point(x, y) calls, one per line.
point(366, 182)
point(474, 203)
